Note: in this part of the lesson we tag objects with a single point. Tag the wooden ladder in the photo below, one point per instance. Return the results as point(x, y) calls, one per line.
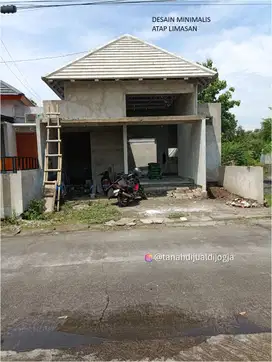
point(53, 123)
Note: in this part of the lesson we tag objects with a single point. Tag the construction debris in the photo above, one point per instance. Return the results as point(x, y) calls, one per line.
point(186, 193)
point(125, 221)
point(244, 203)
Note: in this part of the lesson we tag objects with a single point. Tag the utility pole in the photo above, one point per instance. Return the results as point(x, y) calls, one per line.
point(8, 9)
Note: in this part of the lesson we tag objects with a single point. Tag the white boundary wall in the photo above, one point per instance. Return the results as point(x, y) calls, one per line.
point(245, 181)
point(18, 189)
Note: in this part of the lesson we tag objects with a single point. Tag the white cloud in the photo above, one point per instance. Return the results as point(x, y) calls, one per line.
point(243, 59)
point(250, 55)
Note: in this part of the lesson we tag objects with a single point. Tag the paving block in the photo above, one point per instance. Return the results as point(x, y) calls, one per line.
point(146, 221)
point(125, 221)
point(168, 221)
point(110, 223)
point(157, 221)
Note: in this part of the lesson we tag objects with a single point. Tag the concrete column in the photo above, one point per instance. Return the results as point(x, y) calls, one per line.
point(96, 185)
point(202, 157)
point(196, 99)
point(184, 133)
point(10, 140)
point(125, 146)
point(41, 141)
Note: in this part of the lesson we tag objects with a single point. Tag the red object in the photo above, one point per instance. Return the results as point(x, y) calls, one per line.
point(26, 145)
point(19, 97)
point(136, 187)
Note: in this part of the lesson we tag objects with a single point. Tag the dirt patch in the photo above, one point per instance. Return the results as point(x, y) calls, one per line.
point(217, 192)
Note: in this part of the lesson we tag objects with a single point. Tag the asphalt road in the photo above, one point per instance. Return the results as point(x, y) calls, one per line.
point(92, 295)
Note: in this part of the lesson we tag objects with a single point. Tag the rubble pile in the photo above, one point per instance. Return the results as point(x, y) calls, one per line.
point(186, 193)
point(244, 203)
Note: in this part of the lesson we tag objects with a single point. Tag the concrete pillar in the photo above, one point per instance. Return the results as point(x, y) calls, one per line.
point(41, 141)
point(192, 152)
point(184, 150)
point(125, 146)
point(10, 140)
point(202, 157)
point(196, 99)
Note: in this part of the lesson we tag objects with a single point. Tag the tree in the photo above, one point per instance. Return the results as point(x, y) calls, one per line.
point(266, 129)
point(247, 146)
point(217, 92)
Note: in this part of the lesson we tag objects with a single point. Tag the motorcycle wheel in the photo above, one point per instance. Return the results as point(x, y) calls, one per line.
point(122, 200)
point(142, 194)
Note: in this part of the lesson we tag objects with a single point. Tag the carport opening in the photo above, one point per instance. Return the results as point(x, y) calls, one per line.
point(76, 157)
point(144, 105)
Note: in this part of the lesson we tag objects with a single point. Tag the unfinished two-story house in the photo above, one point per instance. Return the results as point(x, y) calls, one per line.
point(129, 103)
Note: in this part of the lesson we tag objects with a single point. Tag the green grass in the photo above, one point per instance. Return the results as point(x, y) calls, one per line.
point(90, 213)
point(176, 215)
point(268, 199)
point(93, 212)
point(10, 220)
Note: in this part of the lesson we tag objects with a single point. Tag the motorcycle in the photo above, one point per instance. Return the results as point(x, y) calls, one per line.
point(126, 189)
point(105, 181)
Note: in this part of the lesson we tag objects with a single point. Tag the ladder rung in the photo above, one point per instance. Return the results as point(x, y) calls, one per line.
point(50, 182)
point(53, 126)
point(53, 140)
point(53, 155)
point(53, 170)
point(53, 113)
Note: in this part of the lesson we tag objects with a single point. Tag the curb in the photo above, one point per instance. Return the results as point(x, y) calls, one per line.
point(101, 227)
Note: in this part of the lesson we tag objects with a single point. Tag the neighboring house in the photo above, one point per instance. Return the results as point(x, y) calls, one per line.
point(14, 103)
point(130, 90)
point(19, 132)
point(20, 177)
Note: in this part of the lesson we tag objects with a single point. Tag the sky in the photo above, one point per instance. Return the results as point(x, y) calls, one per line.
point(238, 40)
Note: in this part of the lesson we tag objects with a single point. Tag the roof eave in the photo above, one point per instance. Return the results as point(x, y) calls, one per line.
point(203, 81)
point(49, 84)
point(47, 80)
point(27, 101)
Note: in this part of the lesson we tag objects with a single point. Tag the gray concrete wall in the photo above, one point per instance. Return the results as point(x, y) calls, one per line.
point(32, 181)
point(41, 141)
point(18, 189)
point(103, 100)
point(15, 109)
point(141, 152)
point(106, 151)
point(245, 181)
point(191, 152)
point(5, 199)
point(161, 135)
point(184, 150)
point(185, 104)
point(213, 138)
point(10, 140)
